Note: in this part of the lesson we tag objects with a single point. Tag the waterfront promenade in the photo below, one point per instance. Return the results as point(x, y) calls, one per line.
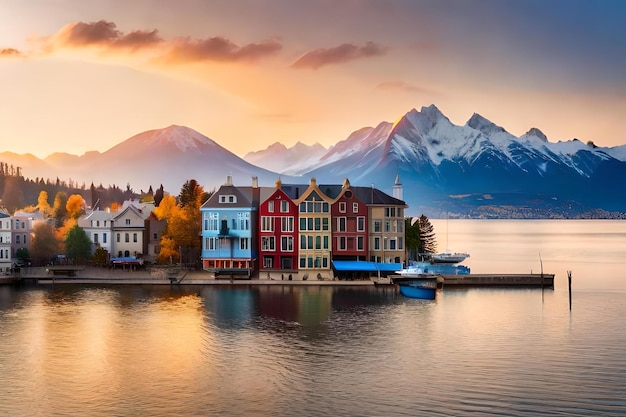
point(174, 276)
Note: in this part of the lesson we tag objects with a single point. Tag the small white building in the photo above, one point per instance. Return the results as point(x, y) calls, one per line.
point(6, 262)
point(98, 226)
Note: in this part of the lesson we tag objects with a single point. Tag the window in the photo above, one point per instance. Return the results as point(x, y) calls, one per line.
point(392, 244)
point(268, 262)
point(155, 236)
point(244, 220)
point(267, 224)
point(104, 238)
point(287, 224)
point(17, 239)
point(376, 243)
point(209, 243)
point(228, 199)
point(95, 238)
point(325, 223)
point(270, 206)
point(127, 237)
point(213, 221)
point(97, 223)
point(342, 243)
point(342, 207)
point(377, 225)
point(284, 206)
point(135, 237)
point(360, 224)
point(355, 207)
point(387, 226)
point(286, 244)
point(118, 238)
point(400, 227)
point(390, 212)
point(127, 222)
point(302, 262)
point(318, 223)
point(244, 243)
point(341, 224)
point(268, 243)
point(360, 241)
point(400, 243)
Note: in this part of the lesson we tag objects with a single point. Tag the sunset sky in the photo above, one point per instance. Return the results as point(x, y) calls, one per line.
point(81, 75)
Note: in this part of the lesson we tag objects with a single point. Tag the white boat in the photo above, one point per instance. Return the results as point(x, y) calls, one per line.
point(449, 258)
point(417, 270)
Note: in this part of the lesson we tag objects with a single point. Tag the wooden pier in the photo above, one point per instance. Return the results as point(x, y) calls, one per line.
point(499, 280)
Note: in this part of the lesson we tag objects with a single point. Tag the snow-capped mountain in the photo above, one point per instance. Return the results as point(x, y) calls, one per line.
point(475, 169)
point(296, 160)
point(445, 166)
point(168, 156)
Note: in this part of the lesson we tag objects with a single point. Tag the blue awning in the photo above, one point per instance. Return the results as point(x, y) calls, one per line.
point(365, 266)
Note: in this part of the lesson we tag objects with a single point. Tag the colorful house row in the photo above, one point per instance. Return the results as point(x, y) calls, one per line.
point(296, 231)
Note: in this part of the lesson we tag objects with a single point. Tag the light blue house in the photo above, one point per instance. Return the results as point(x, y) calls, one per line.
point(229, 222)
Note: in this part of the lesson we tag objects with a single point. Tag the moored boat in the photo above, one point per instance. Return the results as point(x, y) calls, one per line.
point(449, 258)
point(423, 288)
point(417, 281)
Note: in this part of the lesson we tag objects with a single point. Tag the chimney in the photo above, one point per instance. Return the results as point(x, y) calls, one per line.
point(255, 182)
point(229, 180)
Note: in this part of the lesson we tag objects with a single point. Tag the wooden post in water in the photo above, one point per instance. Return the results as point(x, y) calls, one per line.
point(569, 286)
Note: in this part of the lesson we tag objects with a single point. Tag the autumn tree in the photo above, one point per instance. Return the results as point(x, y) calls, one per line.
point(75, 206)
point(183, 217)
point(59, 210)
point(43, 205)
point(100, 256)
point(77, 244)
point(44, 243)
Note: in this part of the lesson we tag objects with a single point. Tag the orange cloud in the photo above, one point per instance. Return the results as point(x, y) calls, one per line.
point(105, 34)
point(343, 53)
point(10, 52)
point(219, 49)
point(403, 86)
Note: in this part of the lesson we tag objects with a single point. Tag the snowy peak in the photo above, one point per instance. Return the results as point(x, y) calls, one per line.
point(184, 138)
point(290, 161)
point(537, 133)
point(484, 125)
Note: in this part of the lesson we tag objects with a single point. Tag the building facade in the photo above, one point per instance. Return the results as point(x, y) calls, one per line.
point(229, 230)
point(278, 236)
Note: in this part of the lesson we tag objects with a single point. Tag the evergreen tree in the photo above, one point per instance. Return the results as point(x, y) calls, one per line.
point(158, 196)
point(428, 242)
point(77, 244)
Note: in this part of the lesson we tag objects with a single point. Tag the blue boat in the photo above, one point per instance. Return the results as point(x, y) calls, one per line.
point(423, 288)
point(417, 281)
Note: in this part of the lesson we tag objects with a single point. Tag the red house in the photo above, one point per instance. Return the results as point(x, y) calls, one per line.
point(278, 236)
point(349, 226)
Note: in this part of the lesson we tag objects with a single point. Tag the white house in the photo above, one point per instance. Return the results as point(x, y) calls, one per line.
point(6, 262)
point(98, 225)
point(23, 223)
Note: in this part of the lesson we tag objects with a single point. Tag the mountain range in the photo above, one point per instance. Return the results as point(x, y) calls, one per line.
point(477, 170)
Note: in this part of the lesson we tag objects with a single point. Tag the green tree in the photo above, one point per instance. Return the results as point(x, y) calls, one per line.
point(77, 244)
point(22, 256)
point(412, 237)
point(428, 241)
point(44, 244)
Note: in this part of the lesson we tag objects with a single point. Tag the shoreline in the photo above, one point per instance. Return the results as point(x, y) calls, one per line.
point(154, 276)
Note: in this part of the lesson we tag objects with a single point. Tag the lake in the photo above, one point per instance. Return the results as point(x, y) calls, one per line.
point(316, 351)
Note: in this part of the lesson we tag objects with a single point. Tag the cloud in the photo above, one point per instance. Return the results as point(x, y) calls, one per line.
point(403, 86)
point(9, 52)
point(343, 53)
point(104, 34)
point(219, 49)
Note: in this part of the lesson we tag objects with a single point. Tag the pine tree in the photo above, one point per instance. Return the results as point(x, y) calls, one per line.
point(428, 241)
